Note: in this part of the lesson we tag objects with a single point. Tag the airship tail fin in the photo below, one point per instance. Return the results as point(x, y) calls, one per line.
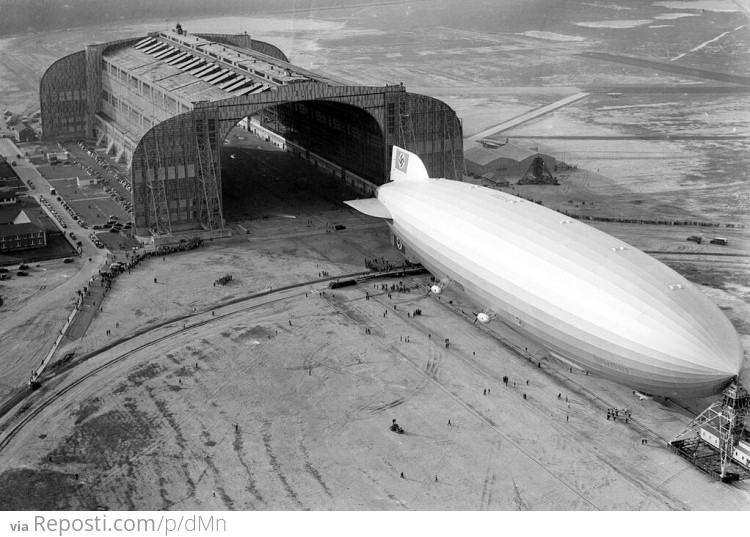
point(406, 166)
point(370, 207)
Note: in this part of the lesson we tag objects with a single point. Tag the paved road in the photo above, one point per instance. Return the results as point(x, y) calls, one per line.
point(528, 116)
point(26, 338)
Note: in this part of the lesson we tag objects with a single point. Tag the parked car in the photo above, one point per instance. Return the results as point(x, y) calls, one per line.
point(68, 260)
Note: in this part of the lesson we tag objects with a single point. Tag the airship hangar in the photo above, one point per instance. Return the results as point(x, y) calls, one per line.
point(163, 104)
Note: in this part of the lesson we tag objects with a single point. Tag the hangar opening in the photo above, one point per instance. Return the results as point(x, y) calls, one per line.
point(300, 158)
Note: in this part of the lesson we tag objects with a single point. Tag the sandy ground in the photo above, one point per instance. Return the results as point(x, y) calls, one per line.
point(242, 410)
point(284, 402)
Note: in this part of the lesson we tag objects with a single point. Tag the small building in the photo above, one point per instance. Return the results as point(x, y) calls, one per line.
point(8, 196)
point(741, 453)
point(18, 232)
point(24, 133)
point(54, 158)
point(86, 181)
point(507, 160)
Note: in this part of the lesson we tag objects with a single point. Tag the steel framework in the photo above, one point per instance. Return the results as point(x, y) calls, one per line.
point(155, 179)
point(727, 417)
point(210, 209)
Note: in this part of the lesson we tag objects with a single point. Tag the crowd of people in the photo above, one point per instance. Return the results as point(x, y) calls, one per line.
point(696, 223)
point(614, 413)
point(134, 259)
point(381, 265)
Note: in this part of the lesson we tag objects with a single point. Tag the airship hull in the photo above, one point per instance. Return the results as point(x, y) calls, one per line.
point(598, 357)
point(586, 296)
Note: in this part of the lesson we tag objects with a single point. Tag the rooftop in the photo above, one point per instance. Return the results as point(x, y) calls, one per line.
point(19, 229)
point(484, 155)
point(193, 69)
point(20, 127)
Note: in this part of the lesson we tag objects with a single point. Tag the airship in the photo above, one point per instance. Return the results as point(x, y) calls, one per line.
point(589, 298)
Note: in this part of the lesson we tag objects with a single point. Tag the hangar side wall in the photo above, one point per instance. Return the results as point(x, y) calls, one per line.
point(176, 177)
point(70, 93)
point(431, 129)
point(63, 98)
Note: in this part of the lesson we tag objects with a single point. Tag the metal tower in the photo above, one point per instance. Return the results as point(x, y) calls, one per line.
point(710, 439)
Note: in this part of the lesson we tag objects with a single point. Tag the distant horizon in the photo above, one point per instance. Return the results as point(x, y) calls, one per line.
point(31, 16)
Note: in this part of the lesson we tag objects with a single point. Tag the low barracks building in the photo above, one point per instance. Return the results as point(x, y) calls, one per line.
point(164, 104)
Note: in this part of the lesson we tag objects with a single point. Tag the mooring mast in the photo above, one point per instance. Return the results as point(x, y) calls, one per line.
point(716, 441)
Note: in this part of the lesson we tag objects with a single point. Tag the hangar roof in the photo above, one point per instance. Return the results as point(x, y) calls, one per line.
point(167, 77)
point(192, 68)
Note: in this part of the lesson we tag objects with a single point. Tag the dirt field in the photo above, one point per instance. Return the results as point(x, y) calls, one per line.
point(284, 401)
point(266, 394)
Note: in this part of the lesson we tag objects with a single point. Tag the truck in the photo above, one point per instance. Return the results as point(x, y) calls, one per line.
point(719, 240)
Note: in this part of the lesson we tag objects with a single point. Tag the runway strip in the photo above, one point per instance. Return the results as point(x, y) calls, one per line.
point(669, 68)
point(528, 116)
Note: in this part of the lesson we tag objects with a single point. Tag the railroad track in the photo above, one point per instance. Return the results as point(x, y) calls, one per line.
point(55, 396)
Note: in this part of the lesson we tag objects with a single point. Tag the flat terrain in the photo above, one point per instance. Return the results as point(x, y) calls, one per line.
point(256, 395)
point(273, 392)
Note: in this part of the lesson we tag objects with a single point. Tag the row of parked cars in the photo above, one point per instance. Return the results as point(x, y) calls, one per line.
point(95, 239)
point(54, 212)
point(122, 179)
point(113, 225)
point(72, 213)
point(125, 204)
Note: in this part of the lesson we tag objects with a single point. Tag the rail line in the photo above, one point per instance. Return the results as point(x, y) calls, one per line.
point(77, 382)
point(9, 405)
point(15, 401)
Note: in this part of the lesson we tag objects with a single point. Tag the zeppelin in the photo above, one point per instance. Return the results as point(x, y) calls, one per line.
point(587, 297)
